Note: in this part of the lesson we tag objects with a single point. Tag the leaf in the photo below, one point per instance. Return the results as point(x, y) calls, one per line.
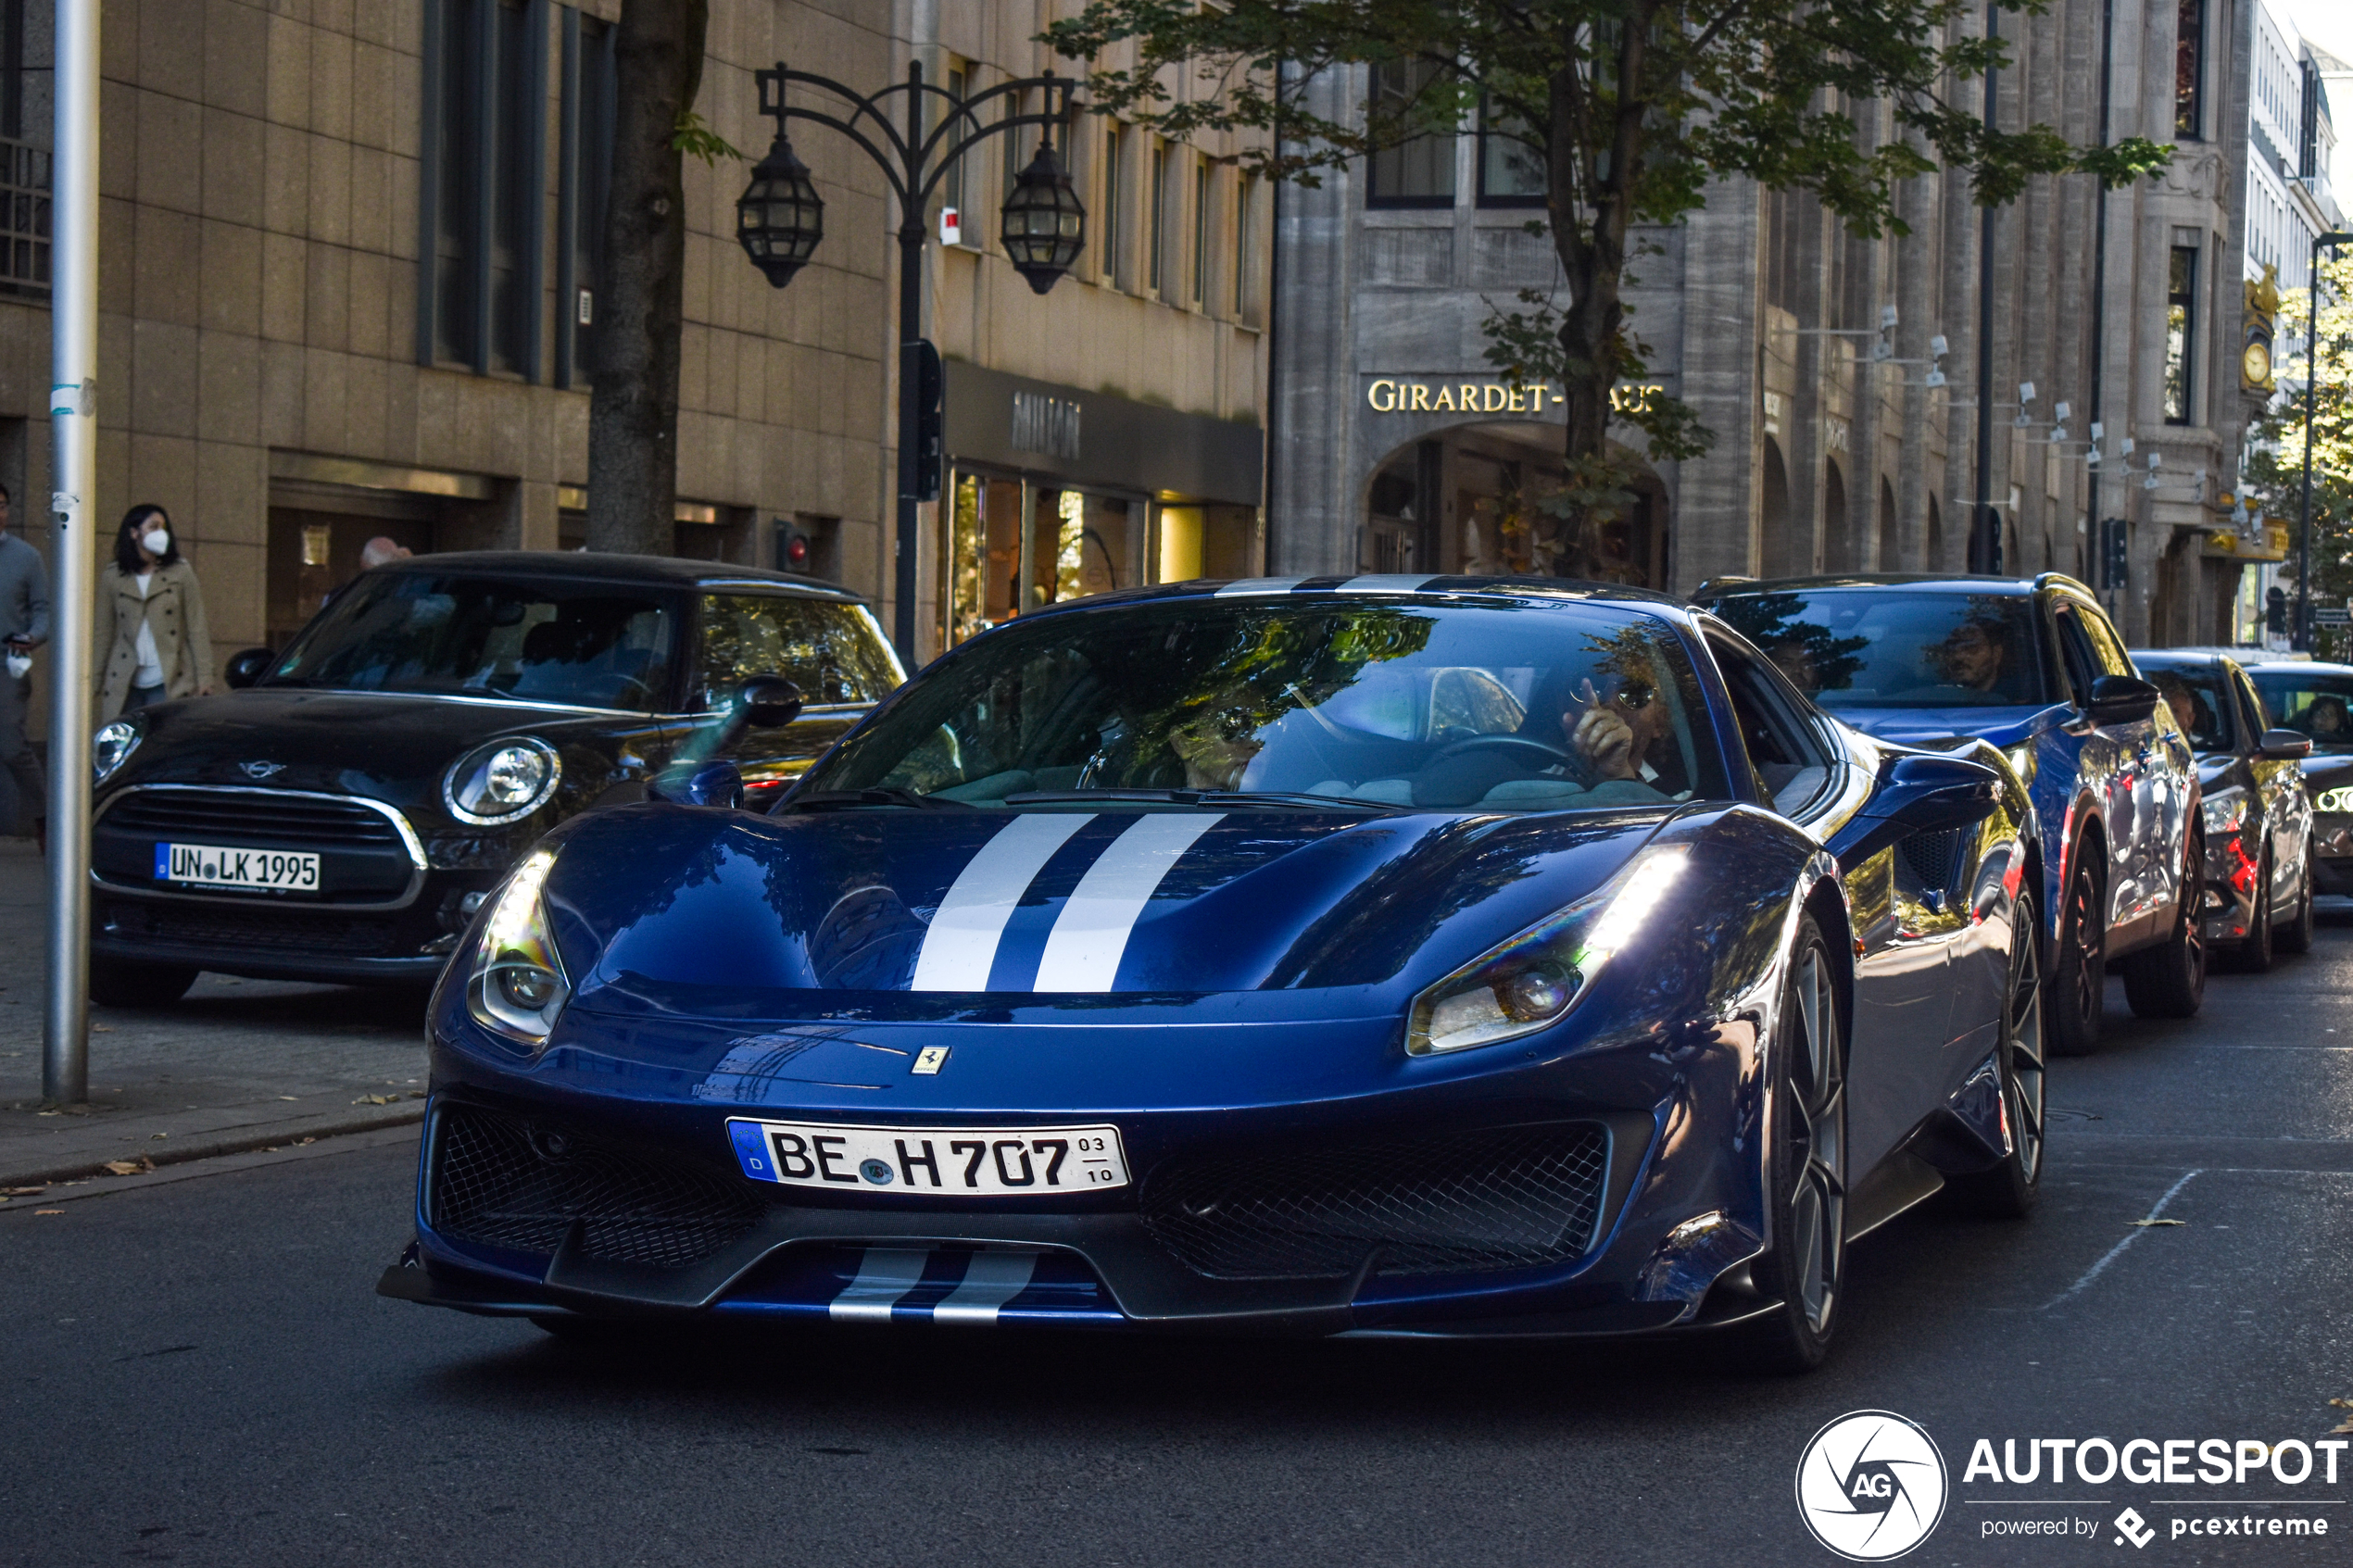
point(693, 136)
point(129, 1166)
point(32, 1192)
point(375, 1099)
point(48, 1210)
point(2340, 1427)
point(289, 1096)
point(2148, 1223)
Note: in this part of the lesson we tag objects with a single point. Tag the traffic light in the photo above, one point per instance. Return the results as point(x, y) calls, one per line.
point(930, 406)
point(2116, 559)
point(794, 551)
point(2275, 612)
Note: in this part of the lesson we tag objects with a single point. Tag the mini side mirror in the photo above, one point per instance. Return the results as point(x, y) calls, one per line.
point(2121, 699)
point(1918, 795)
point(2284, 745)
point(715, 783)
point(245, 667)
point(763, 702)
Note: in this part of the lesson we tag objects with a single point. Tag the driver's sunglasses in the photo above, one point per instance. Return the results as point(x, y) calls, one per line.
point(1633, 696)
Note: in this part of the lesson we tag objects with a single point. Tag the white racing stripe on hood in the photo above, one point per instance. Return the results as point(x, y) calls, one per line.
point(990, 1280)
point(960, 946)
point(1385, 582)
point(1250, 588)
point(885, 1273)
point(1084, 949)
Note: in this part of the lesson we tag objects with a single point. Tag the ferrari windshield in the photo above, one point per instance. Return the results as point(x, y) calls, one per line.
point(1396, 705)
point(587, 645)
point(1898, 647)
point(2310, 703)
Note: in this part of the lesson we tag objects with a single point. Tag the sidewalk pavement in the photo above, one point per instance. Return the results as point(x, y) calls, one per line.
point(237, 1064)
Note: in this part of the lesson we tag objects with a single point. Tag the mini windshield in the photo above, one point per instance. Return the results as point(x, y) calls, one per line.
point(589, 644)
point(1396, 705)
point(1897, 648)
point(2312, 704)
point(2200, 700)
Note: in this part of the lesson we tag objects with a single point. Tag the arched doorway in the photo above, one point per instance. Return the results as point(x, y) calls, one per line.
point(1890, 546)
point(1834, 528)
point(1778, 546)
point(1479, 499)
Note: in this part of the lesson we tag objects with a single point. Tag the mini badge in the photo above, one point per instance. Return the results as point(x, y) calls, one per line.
point(929, 1061)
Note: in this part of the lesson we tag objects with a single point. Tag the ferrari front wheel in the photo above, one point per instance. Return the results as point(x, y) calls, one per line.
point(2009, 1189)
point(1804, 1268)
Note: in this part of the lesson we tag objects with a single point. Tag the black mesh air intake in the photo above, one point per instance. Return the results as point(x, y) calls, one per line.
point(501, 1181)
point(1934, 857)
point(1516, 1198)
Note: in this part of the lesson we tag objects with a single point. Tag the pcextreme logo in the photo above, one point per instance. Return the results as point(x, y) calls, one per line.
point(1871, 1485)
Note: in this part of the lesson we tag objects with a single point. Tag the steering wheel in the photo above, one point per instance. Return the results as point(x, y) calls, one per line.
point(1550, 754)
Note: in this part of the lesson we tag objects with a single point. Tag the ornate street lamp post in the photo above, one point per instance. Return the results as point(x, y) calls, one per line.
point(2311, 347)
point(779, 221)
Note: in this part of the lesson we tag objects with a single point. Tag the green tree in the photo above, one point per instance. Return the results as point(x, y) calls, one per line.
point(1632, 108)
point(2275, 483)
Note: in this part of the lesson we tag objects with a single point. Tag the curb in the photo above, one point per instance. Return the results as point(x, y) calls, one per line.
point(240, 1141)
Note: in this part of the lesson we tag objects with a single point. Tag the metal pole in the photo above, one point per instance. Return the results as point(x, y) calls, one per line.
point(911, 332)
point(1988, 524)
point(2311, 378)
point(73, 422)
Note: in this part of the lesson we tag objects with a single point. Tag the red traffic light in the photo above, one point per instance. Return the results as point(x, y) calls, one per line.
point(796, 552)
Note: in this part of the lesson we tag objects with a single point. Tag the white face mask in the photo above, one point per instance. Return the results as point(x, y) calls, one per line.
point(157, 541)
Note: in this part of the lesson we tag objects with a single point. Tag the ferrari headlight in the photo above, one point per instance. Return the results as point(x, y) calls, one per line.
point(111, 748)
point(2225, 809)
point(1535, 978)
point(502, 782)
point(2021, 758)
point(518, 986)
point(2328, 800)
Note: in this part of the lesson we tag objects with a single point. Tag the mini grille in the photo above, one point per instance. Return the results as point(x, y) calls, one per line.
point(307, 929)
point(1931, 855)
point(503, 1182)
point(301, 822)
point(1512, 1198)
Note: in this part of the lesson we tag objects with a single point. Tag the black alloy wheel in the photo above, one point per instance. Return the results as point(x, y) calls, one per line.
point(2169, 979)
point(1804, 1266)
point(2296, 936)
point(2254, 955)
point(2079, 981)
point(117, 984)
point(2010, 1190)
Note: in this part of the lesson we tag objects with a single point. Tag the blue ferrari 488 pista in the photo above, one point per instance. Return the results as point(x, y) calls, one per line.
point(1442, 956)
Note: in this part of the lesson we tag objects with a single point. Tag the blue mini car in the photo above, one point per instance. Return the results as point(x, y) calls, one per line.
point(2036, 669)
point(1442, 956)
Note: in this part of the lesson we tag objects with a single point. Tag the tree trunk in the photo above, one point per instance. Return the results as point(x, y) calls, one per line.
point(633, 402)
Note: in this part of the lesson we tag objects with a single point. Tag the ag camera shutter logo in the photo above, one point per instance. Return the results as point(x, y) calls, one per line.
point(1871, 1485)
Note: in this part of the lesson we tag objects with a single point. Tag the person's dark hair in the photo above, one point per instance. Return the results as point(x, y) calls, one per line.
point(126, 539)
point(6, 497)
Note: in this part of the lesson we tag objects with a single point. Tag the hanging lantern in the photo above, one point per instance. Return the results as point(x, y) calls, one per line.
point(1044, 224)
point(780, 218)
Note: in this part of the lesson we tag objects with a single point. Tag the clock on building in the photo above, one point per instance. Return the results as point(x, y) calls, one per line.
point(2255, 365)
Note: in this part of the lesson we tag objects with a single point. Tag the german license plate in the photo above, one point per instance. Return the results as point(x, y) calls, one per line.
point(953, 1162)
point(214, 865)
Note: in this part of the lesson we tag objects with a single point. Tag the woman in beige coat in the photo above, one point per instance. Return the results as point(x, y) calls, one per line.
point(151, 635)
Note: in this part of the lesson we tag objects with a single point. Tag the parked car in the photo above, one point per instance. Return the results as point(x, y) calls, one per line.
point(2314, 700)
point(1446, 956)
point(2036, 669)
point(2258, 814)
point(340, 816)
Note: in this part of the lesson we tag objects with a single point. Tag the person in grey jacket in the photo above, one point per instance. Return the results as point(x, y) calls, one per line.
point(151, 636)
point(24, 626)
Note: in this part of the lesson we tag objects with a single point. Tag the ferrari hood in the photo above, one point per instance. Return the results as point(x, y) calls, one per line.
point(665, 901)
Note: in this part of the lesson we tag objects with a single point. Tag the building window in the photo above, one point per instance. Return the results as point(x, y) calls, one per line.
point(2189, 68)
point(2180, 335)
point(585, 188)
point(1419, 172)
point(1115, 167)
point(1245, 236)
point(951, 188)
point(12, 69)
point(1511, 172)
point(1201, 233)
point(483, 172)
point(1158, 216)
point(2308, 146)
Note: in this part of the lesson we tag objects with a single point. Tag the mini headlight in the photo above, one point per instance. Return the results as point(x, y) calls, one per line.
point(2225, 809)
point(1536, 977)
point(503, 781)
point(518, 985)
point(2329, 801)
point(111, 748)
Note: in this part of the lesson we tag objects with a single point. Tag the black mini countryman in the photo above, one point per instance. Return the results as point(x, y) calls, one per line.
point(340, 815)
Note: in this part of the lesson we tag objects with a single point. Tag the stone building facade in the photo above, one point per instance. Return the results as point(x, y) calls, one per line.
point(349, 253)
point(1810, 354)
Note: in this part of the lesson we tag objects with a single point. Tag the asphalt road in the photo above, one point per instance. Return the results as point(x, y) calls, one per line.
point(198, 1372)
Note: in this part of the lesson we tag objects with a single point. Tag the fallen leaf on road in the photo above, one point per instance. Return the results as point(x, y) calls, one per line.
point(300, 1142)
point(39, 1211)
point(129, 1166)
point(2145, 1224)
point(153, 1136)
point(36, 1192)
point(288, 1097)
point(2341, 1426)
point(375, 1099)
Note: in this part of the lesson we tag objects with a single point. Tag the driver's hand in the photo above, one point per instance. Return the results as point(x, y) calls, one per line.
point(1601, 735)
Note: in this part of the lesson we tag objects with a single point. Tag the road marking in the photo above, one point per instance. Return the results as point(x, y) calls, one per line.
point(960, 946)
point(2118, 1251)
point(1090, 936)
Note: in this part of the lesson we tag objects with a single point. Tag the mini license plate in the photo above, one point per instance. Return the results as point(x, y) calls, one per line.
point(960, 1161)
point(219, 866)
